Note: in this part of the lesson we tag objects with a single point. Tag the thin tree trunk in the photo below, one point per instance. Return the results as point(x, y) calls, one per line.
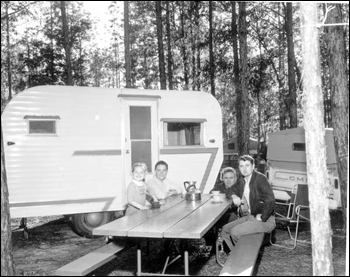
point(9, 74)
point(198, 70)
point(162, 75)
point(7, 265)
point(292, 100)
point(52, 57)
point(127, 45)
point(281, 98)
point(193, 47)
point(236, 76)
point(66, 44)
point(243, 147)
point(340, 98)
point(211, 55)
point(170, 57)
point(183, 48)
point(258, 96)
point(315, 142)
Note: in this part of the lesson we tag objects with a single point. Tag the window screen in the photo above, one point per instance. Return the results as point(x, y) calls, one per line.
point(182, 133)
point(42, 127)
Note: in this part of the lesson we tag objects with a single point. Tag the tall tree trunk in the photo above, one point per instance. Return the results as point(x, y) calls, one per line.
point(281, 83)
point(236, 76)
point(340, 98)
point(170, 57)
point(127, 45)
point(183, 48)
point(9, 74)
point(52, 57)
point(116, 55)
point(315, 142)
point(66, 44)
point(259, 85)
point(243, 146)
point(211, 55)
point(7, 265)
point(162, 75)
point(292, 99)
point(198, 58)
point(193, 46)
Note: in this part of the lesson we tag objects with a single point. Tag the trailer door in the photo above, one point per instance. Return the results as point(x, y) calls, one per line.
point(140, 134)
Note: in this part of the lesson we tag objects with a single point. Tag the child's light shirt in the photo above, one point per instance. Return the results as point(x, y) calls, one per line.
point(161, 188)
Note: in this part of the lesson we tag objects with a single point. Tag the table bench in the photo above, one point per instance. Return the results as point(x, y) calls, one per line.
point(91, 261)
point(242, 259)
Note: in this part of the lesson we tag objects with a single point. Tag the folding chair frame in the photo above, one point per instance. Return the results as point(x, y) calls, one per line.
point(294, 216)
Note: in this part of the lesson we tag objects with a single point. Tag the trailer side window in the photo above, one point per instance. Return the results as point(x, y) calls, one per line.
point(231, 146)
point(42, 125)
point(182, 133)
point(298, 147)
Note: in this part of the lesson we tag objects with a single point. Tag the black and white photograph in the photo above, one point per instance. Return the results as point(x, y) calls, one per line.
point(159, 138)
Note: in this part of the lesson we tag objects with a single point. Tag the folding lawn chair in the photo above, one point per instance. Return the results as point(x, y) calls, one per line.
point(298, 212)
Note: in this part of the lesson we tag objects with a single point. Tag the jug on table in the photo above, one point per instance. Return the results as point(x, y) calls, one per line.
point(192, 193)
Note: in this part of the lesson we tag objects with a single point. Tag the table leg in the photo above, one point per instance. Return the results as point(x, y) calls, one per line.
point(186, 263)
point(166, 264)
point(138, 261)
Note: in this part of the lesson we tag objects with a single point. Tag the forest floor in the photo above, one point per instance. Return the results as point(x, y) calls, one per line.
point(52, 244)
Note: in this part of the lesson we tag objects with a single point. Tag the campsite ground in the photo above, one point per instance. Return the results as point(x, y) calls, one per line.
point(52, 244)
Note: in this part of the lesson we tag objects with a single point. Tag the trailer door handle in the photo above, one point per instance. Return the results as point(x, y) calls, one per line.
point(127, 151)
point(9, 143)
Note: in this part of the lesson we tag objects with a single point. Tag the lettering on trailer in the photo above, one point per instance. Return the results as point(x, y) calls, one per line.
point(298, 179)
point(287, 176)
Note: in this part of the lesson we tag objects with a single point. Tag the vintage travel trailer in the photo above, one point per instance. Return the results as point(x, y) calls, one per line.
point(231, 148)
point(69, 150)
point(286, 162)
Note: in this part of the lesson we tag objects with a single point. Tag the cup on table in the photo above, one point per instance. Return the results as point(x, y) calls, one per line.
point(155, 204)
point(216, 195)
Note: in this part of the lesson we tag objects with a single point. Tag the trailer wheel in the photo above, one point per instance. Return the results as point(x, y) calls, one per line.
point(83, 224)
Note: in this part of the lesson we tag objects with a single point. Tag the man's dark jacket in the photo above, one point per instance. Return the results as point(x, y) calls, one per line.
point(261, 197)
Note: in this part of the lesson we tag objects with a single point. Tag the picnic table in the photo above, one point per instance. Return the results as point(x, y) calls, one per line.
point(176, 219)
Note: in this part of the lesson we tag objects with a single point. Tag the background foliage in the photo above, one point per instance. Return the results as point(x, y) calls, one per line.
point(37, 56)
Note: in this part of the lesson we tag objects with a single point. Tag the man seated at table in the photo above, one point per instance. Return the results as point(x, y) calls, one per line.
point(159, 186)
point(254, 196)
point(228, 178)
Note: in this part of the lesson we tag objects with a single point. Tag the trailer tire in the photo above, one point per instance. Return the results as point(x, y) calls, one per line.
point(83, 224)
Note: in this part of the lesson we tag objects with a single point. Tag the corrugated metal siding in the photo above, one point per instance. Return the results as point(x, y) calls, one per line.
point(43, 168)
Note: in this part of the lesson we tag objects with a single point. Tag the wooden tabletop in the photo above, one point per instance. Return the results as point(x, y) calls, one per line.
point(177, 218)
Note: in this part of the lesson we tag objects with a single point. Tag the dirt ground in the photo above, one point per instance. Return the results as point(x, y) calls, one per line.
point(52, 244)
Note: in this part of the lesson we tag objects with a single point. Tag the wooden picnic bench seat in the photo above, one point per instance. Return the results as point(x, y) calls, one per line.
point(242, 259)
point(90, 261)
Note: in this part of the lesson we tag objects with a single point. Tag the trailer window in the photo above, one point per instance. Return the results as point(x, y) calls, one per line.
point(231, 146)
point(42, 125)
point(182, 133)
point(298, 147)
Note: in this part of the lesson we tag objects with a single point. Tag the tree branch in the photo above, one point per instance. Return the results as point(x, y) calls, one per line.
point(17, 11)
